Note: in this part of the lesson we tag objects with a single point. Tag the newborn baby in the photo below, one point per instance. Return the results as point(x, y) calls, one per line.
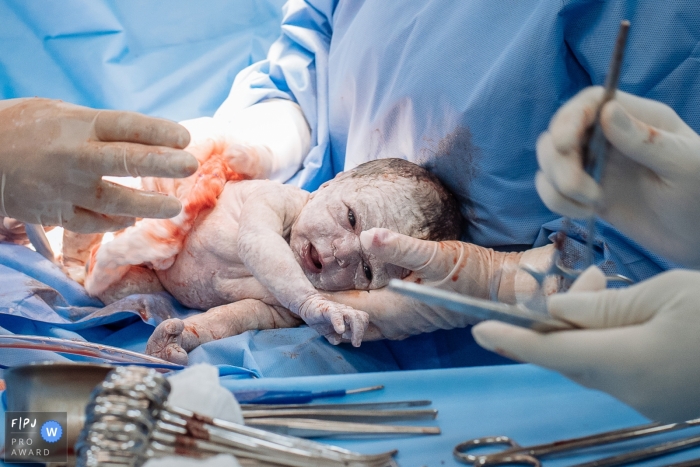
point(257, 257)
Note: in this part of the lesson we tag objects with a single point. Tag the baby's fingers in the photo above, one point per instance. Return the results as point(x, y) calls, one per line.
point(337, 321)
point(357, 322)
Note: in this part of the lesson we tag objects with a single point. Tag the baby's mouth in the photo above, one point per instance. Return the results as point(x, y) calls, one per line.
point(312, 260)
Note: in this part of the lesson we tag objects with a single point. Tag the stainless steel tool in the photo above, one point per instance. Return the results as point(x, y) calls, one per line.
point(531, 455)
point(128, 421)
point(479, 309)
point(595, 153)
point(353, 406)
point(86, 349)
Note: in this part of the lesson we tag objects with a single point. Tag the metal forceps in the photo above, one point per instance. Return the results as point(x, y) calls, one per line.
point(594, 151)
point(530, 455)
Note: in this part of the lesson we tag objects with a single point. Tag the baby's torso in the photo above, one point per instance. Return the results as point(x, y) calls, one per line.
point(208, 271)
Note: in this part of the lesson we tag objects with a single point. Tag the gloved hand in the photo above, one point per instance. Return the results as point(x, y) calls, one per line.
point(451, 265)
point(640, 344)
point(53, 156)
point(651, 181)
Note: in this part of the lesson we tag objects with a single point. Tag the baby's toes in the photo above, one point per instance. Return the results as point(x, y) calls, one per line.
point(165, 342)
point(175, 354)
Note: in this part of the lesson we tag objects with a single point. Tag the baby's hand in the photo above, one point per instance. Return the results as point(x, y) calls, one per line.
point(334, 321)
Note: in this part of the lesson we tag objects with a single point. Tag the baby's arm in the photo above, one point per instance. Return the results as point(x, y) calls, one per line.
point(266, 219)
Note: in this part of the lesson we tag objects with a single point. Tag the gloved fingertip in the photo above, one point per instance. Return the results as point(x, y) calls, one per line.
point(487, 333)
point(188, 164)
point(171, 207)
point(183, 137)
point(591, 279)
point(493, 335)
point(482, 335)
point(374, 238)
point(615, 119)
point(366, 238)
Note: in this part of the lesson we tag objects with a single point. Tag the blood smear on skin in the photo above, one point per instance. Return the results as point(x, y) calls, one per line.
point(156, 242)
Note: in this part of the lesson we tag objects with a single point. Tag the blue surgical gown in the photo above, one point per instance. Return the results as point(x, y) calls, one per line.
point(464, 88)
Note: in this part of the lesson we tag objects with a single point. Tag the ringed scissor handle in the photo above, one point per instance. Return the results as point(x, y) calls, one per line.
point(529, 455)
point(516, 454)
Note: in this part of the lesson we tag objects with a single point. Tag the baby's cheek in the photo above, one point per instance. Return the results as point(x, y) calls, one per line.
point(337, 279)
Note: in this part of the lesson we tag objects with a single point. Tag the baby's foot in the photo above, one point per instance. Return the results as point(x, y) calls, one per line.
point(166, 342)
point(334, 321)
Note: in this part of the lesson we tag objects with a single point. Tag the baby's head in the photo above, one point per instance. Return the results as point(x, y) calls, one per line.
point(391, 193)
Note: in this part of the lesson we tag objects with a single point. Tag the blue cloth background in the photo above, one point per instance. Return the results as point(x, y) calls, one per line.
point(461, 87)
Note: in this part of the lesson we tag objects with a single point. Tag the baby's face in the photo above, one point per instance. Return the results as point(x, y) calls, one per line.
point(325, 238)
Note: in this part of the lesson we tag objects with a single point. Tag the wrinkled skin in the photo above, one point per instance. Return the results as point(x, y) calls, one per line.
point(237, 261)
point(325, 238)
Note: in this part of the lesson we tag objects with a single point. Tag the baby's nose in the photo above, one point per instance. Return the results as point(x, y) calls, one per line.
point(345, 248)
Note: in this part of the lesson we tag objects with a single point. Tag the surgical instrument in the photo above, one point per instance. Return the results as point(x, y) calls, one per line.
point(109, 354)
point(344, 414)
point(313, 427)
point(480, 309)
point(597, 147)
point(353, 406)
point(263, 396)
point(516, 454)
point(128, 421)
point(86, 349)
point(594, 154)
point(656, 450)
point(37, 236)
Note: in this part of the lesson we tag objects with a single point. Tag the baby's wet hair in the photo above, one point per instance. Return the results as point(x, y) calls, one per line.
point(438, 206)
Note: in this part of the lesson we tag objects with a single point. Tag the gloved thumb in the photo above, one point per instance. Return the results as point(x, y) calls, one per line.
point(590, 280)
point(603, 308)
point(641, 142)
point(408, 252)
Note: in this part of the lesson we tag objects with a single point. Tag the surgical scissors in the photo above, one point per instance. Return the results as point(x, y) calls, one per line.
point(530, 455)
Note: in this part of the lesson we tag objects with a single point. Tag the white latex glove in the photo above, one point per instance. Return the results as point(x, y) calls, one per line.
point(640, 344)
point(451, 265)
point(651, 183)
point(265, 141)
point(53, 156)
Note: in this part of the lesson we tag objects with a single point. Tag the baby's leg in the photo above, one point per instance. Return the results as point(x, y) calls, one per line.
point(138, 280)
point(174, 338)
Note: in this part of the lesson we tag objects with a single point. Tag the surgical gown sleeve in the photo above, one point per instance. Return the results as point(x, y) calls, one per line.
point(296, 68)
